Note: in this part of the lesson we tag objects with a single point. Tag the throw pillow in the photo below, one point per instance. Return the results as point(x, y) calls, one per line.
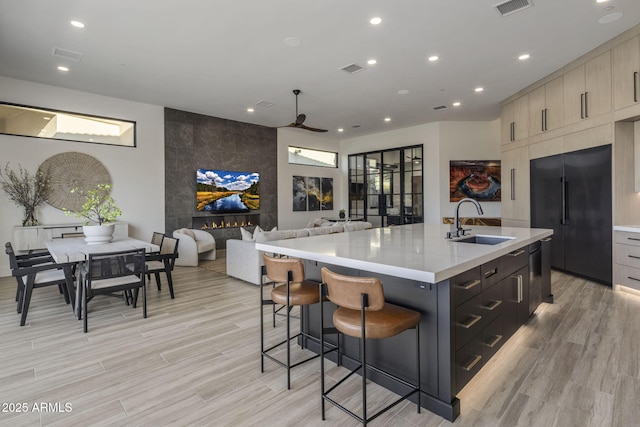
point(247, 235)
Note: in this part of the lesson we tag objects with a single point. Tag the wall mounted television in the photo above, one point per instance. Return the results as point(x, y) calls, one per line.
point(220, 191)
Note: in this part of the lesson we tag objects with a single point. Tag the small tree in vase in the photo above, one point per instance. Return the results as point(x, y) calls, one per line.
point(99, 212)
point(27, 190)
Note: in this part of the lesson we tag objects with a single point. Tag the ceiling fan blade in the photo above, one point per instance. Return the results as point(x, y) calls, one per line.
point(311, 129)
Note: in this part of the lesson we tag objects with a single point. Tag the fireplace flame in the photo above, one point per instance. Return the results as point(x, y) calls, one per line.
point(226, 224)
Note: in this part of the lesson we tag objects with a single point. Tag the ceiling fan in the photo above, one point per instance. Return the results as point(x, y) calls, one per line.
point(300, 118)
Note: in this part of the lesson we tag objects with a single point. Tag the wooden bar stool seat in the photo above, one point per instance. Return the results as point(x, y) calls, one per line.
point(363, 313)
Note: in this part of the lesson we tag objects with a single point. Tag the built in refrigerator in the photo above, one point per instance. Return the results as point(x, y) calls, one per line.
point(571, 193)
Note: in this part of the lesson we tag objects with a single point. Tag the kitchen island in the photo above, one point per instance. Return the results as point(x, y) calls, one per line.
point(472, 297)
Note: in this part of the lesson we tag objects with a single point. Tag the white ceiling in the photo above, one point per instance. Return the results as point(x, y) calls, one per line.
point(219, 57)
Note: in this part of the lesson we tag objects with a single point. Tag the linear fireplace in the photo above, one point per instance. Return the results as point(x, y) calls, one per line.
point(214, 222)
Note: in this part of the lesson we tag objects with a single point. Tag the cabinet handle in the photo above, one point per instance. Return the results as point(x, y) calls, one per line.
point(546, 239)
point(635, 86)
point(516, 253)
point(491, 273)
point(520, 290)
point(475, 319)
point(513, 131)
point(470, 285)
point(493, 305)
point(582, 105)
point(542, 120)
point(633, 278)
point(513, 184)
point(469, 366)
point(586, 104)
point(634, 256)
point(633, 238)
point(495, 341)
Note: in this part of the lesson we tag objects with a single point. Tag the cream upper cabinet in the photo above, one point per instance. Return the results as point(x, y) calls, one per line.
point(514, 120)
point(546, 107)
point(515, 184)
point(587, 89)
point(626, 73)
point(506, 123)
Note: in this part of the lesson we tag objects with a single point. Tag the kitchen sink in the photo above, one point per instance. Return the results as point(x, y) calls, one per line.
point(484, 240)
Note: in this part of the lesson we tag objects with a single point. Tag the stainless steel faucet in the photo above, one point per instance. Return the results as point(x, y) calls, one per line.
point(458, 231)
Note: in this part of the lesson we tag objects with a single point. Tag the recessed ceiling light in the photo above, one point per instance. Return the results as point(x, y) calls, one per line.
point(250, 110)
point(479, 89)
point(403, 92)
point(524, 56)
point(601, 1)
point(387, 119)
point(340, 130)
point(62, 68)
point(456, 104)
point(372, 62)
point(612, 17)
point(77, 24)
point(375, 21)
point(47, 118)
point(292, 41)
point(433, 58)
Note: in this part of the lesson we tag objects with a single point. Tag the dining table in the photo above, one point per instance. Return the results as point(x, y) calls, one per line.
point(77, 250)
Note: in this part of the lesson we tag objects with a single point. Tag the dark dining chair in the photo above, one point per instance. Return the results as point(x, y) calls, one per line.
point(163, 261)
point(116, 274)
point(37, 270)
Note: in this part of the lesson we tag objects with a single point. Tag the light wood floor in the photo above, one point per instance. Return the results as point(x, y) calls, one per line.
point(195, 361)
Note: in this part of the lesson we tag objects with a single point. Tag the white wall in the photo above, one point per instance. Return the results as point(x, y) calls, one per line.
point(287, 219)
point(442, 142)
point(137, 173)
point(467, 141)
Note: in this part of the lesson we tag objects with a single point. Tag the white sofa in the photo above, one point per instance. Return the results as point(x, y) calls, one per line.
point(194, 245)
point(244, 261)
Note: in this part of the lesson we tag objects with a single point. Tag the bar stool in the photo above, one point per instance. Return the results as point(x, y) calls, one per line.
point(293, 290)
point(362, 313)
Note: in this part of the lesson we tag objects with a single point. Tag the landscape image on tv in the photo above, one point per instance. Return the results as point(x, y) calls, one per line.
point(226, 191)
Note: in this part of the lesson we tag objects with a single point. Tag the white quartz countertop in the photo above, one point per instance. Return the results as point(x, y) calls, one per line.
point(416, 251)
point(629, 228)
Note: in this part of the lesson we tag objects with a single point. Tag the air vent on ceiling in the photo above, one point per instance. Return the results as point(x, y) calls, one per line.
point(512, 6)
point(352, 68)
point(356, 126)
point(440, 107)
point(265, 104)
point(67, 54)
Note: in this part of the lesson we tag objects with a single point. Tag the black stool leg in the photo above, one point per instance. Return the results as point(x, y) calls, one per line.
point(289, 279)
point(363, 357)
point(322, 292)
point(418, 363)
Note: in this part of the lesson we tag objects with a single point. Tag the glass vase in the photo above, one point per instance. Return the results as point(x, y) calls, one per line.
point(29, 217)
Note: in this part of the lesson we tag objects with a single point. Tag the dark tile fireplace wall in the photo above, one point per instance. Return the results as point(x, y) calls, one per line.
point(194, 141)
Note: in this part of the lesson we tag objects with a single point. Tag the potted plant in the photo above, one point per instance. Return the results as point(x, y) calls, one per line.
point(26, 190)
point(341, 213)
point(99, 211)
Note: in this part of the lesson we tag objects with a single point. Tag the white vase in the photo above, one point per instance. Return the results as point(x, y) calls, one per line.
point(98, 234)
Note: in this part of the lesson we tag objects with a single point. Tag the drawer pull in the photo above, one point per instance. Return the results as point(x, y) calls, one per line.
point(469, 366)
point(470, 285)
point(516, 253)
point(634, 238)
point(471, 322)
point(493, 305)
point(634, 256)
point(491, 273)
point(495, 341)
point(633, 278)
point(546, 239)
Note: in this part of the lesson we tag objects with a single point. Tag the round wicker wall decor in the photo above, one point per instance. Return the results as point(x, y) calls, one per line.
point(73, 170)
